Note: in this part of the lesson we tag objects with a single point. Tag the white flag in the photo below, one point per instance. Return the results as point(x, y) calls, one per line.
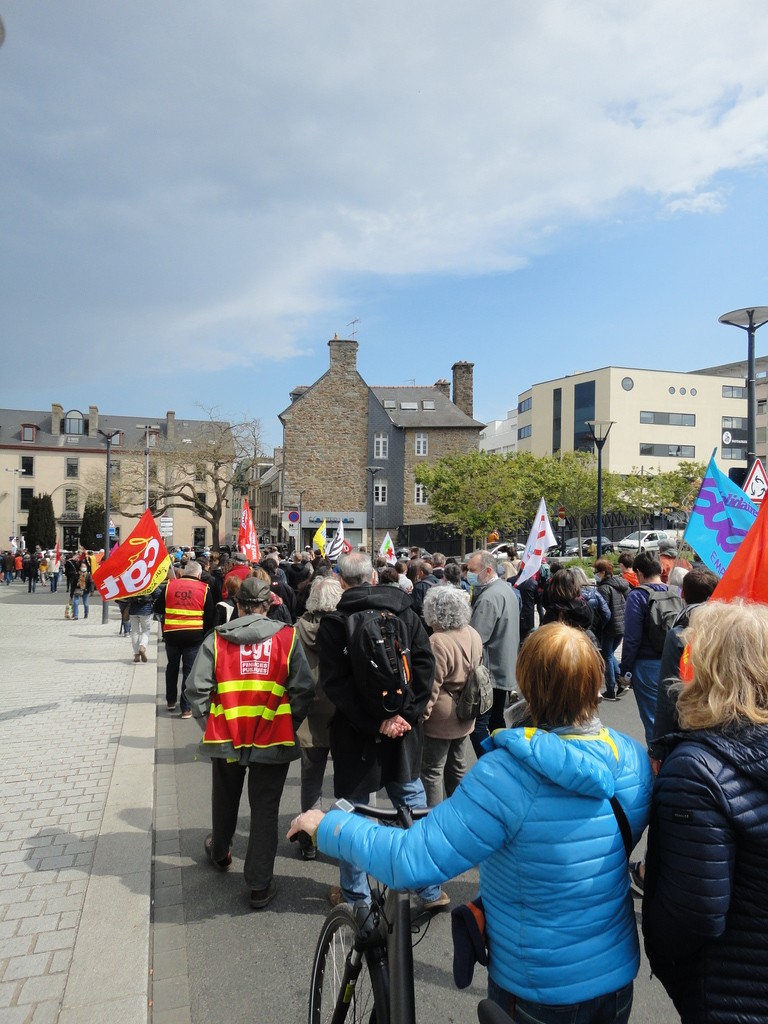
point(540, 539)
point(336, 547)
point(387, 550)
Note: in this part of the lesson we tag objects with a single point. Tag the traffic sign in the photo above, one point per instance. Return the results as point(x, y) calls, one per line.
point(293, 517)
point(756, 484)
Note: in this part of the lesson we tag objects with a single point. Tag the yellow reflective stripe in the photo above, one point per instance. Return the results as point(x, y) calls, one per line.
point(184, 611)
point(240, 746)
point(250, 685)
point(249, 712)
point(603, 735)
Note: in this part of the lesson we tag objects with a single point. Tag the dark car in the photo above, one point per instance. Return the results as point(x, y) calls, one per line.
point(572, 546)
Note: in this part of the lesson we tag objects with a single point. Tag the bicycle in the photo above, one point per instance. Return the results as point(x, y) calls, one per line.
point(362, 970)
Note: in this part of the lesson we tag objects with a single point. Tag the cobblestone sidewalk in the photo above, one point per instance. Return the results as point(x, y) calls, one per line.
point(77, 729)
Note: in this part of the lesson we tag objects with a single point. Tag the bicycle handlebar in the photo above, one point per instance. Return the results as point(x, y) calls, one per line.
point(389, 813)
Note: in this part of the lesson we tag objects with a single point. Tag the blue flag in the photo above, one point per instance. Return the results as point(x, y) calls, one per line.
point(720, 519)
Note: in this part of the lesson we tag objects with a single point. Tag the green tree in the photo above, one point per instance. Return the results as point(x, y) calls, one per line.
point(92, 531)
point(41, 523)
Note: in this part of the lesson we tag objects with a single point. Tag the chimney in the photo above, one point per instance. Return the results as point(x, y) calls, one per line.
point(57, 412)
point(297, 392)
point(170, 425)
point(93, 421)
point(343, 356)
point(444, 386)
point(463, 396)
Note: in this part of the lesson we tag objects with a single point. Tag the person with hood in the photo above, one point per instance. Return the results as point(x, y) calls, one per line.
point(250, 688)
point(371, 748)
point(548, 815)
point(705, 913)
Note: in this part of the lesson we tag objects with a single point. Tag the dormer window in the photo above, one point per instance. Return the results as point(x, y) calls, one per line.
point(74, 422)
point(28, 431)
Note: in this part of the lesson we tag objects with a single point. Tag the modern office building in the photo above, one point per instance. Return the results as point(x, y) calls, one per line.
point(499, 437)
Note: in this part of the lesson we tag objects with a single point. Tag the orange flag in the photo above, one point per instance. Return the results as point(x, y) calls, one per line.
point(137, 566)
point(747, 573)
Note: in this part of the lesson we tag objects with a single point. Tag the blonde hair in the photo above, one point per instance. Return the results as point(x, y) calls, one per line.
point(728, 647)
point(559, 673)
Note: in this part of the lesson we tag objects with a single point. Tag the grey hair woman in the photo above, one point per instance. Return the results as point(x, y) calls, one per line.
point(457, 647)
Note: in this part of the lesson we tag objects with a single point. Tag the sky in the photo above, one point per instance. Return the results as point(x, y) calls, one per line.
point(196, 196)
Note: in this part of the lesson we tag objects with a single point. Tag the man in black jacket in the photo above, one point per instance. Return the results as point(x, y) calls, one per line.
point(373, 750)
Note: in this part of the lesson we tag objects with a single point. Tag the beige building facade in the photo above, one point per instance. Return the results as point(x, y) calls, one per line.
point(63, 454)
point(659, 417)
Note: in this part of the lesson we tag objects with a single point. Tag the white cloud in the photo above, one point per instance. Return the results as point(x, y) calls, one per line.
point(210, 177)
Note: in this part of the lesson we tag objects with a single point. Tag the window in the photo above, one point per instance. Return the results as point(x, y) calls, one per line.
point(731, 391)
point(27, 465)
point(381, 446)
point(525, 405)
point(734, 454)
point(670, 419)
point(390, 403)
point(583, 412)
point(201, 497)
point(422, 444)
point(380, 492)
point(114, 468)
point(74, 422)
point(669, 451)
point(117, 439)
point(762, 404)
point(627, 383)
point(25, 498)
point(409, 406)
point(200, 471)
point(428, 405)
point(70, 500)
point(734, 422)
point(420, 494)
point(524, 432)
point(557, 419)
point(151, 439)
point(73, 468)
point(28, 432)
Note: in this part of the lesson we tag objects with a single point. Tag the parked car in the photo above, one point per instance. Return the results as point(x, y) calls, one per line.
point(644, 540)
point(508, 547)
point(572, 546)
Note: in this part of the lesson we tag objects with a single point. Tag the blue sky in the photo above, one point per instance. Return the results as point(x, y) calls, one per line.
point(197, 196)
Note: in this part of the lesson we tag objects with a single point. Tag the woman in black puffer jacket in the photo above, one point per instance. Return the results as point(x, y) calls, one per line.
point(613, 589)
point(705, 908)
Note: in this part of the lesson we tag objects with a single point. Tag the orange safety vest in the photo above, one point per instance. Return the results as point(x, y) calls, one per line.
point(184, 604)
point(250, 706)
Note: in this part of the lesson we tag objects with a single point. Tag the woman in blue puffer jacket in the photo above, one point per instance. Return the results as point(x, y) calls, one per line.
point(535, 815)
point(705, 905)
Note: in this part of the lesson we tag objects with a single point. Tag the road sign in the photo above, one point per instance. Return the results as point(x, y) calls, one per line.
point(756, 484)
point(293, 517)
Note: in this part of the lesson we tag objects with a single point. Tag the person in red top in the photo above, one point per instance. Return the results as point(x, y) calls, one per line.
point(250, 687)
point(188, 610)
point(626, 570)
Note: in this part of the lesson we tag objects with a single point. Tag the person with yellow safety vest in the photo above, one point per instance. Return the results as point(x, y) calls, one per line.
point(251, 688)
point(188, 611)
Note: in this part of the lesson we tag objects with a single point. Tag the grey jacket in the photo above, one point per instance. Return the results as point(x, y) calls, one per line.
point(496, 617)
point(251, 629)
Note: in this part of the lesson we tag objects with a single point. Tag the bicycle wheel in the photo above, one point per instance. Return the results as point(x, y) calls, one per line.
point(347, 984)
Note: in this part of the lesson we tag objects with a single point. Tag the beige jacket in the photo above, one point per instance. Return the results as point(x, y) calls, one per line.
point(455, 653)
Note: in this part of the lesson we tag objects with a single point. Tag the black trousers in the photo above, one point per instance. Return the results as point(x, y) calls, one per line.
point(265, 788)
point(178, 656)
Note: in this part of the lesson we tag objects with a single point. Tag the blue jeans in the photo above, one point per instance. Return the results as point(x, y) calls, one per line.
point(613, 1008)
point(607, 647)
point(645, 683)
point(76, 604)
point(354, 881)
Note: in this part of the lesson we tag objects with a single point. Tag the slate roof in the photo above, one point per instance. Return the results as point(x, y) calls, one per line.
point(444, 414)
point(11, 421)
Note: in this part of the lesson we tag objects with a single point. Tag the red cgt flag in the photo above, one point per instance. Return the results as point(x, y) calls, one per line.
point(747, 573)
point(137, 566)
point(247, 540)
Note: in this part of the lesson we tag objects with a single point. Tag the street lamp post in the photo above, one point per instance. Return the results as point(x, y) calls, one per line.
point(107, 435)
point(599, 429)
point(13, 508)
point(749, 320)
point(146, 427)
point(298, 543)
point(373, 470)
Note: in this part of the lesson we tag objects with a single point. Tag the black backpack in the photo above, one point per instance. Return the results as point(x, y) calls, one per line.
point(663, 608)
point(379, 651)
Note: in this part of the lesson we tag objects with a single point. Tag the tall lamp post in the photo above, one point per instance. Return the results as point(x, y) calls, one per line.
point(108, 436)
point(373, 470)
point(13, 508)
point(301, 510)
point(749, 320)
point(146, 427)
point(599, 429)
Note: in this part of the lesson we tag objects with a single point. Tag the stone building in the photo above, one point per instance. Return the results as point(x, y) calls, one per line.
point(350, 450)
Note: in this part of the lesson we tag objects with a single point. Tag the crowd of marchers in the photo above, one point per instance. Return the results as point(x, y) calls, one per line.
point(361, 668)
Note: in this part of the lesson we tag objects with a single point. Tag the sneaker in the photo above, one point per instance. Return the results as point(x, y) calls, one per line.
point(439, 903)
point(186, 714)
point(261, 897)
point(171, 707)
point(636, 877)
point(136, 658)
point(335, 896)
point(142, 654)
point(620, 691)
point(220, 865)
point(609, 696)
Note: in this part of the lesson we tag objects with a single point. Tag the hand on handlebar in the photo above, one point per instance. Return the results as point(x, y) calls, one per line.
point(308, 822)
